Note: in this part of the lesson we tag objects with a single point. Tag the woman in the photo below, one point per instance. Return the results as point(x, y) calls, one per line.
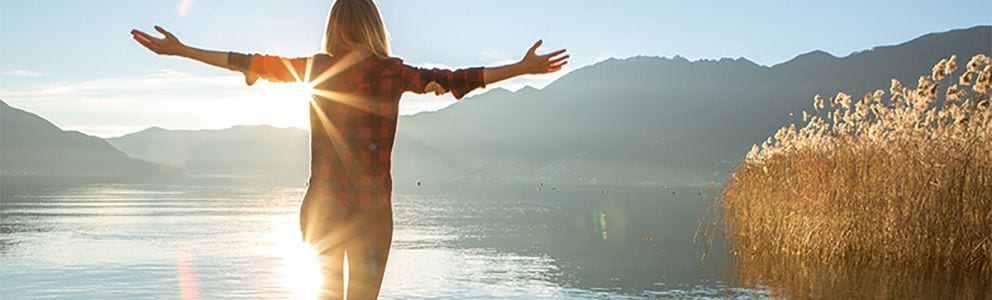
point(356, 89)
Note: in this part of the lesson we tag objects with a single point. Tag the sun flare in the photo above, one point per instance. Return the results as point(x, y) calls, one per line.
point(281, 105)
point(300, 269)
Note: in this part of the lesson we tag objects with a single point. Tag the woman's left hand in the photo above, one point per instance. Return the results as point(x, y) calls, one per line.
point(433, 87)
point(532, 63)
point(169, 45)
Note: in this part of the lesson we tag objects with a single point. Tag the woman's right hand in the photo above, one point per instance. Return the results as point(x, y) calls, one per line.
point(169, 45)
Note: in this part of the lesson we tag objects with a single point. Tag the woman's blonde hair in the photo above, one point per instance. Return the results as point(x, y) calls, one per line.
point(356, 25)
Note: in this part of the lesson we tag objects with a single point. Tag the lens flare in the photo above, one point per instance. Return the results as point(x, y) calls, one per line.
point(189, 287)
point(184, 7)
point(300, 270)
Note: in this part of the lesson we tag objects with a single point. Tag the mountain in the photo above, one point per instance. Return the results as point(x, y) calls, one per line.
point(241, 151)
point(640, 120)
point(34, 149)
point(652, 120)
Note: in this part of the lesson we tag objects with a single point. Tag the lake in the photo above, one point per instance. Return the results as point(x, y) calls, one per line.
point(240, 241)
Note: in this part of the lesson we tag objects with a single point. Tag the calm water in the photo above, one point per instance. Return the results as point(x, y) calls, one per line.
point(214, 241)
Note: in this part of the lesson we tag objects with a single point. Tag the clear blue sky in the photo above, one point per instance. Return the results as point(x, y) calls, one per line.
point(74, 62)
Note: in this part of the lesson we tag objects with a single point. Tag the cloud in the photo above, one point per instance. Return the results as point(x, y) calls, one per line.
point(414, 103)
point(22, 73)
point(494, 57)
point(159, 81)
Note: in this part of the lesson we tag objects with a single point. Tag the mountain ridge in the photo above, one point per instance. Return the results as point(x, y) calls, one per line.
point(251, 151)
point(35, 149)
point(666, 113)
point(813, 54)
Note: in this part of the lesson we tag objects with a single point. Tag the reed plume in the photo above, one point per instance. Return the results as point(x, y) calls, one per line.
point(898, 181)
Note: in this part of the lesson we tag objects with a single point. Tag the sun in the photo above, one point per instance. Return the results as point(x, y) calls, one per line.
point(281, 104)
point(288, 104)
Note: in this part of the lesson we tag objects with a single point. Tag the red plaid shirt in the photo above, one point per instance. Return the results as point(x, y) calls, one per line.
point(353, 115)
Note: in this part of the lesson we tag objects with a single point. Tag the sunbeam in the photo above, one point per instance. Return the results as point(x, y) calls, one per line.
point(352, 166)
point(343, 63)
point(292, 70)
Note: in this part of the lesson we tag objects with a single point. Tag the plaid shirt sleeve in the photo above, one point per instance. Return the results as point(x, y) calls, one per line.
point(268, 67)
point(458, 82)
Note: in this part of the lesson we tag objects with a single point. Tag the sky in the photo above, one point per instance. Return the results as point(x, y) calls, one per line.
point(74, 63)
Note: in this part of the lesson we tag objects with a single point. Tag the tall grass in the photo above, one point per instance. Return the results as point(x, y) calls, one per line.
point(893, 181)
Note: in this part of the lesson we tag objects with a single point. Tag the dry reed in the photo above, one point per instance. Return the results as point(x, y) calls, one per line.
point(893, 181)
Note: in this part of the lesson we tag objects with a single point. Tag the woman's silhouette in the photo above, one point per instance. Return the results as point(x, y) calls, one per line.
point(356, 91)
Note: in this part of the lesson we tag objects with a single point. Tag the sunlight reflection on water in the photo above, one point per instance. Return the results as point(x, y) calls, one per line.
point(239, 242)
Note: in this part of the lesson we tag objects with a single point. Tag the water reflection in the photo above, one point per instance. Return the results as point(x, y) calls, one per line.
point(594, 240)
point(796, 277)
point(241, 241)
point(300, 266)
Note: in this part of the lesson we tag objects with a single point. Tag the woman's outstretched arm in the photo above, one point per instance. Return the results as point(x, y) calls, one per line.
point(460, 82)
point(171, 46)
point(272, 68)
point(530, 64)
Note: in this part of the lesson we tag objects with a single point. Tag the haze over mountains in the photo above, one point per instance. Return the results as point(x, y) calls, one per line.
point(652, 120)
point(642, 120)
point(242, 151)
point(31, 148)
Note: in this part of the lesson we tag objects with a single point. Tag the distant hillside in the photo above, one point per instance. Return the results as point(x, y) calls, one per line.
point(241, 151)
point(651, 120)
point(642, 120)
point(31, 148)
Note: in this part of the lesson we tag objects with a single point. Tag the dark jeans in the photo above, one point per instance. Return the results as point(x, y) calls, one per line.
point(362, 235)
